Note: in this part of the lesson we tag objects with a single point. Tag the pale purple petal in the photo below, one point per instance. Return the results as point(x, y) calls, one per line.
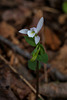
point(40, 24)
point(23, 31)
point(37, 39)
point(30, 34)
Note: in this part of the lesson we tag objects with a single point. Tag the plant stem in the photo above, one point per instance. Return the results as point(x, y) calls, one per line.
point(37, 81)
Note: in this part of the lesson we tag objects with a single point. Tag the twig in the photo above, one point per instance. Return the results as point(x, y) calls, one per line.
point(15, 48)
point(21, 77)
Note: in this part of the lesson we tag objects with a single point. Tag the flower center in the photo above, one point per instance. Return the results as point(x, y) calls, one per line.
point(32, 32)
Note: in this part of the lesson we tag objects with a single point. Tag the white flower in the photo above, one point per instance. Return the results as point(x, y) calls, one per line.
point(33, 31)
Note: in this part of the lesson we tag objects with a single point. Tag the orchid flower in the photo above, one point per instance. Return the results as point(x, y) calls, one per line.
point(34, 31)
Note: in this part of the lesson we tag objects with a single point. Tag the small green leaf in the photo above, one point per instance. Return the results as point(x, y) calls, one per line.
point(39, 65)
point(34, 54)
point(64, 6)
point(30, 40)
point(32, 65)
point(41, 49)
point(43, 58)
point(34, 51)
point(34, 57)
point(39, 99)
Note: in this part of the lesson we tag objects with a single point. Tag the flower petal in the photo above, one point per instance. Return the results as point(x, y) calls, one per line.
point(33, 29)
point(37, 39)
point(40, 24)
point(30, 34)
point(23, 31)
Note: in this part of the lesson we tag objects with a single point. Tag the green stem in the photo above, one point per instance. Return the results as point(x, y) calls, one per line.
point(37, 81)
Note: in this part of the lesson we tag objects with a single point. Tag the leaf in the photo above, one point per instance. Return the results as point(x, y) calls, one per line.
point(64, 7)
point(34, 57)
point(34, 54)
point(41, 49)
point(34, 51)
point(30, 40)
point(6, 30)
point(43, 58)
point(32, 64)
point(39, 65)
point(39, 99)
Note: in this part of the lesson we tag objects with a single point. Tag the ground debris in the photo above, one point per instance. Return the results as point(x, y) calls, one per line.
point(10, 84)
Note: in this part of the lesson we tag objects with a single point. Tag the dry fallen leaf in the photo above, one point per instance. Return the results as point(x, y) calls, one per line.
point(11, 85)
point(6, 30)
point(10, 3)
point(31, 96)
point(62, 18)
point(51, 39)
point(60, 61)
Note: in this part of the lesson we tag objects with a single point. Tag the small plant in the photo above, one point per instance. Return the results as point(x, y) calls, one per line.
point(38, 55)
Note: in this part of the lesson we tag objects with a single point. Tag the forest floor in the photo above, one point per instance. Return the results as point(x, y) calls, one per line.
point(17, 82)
